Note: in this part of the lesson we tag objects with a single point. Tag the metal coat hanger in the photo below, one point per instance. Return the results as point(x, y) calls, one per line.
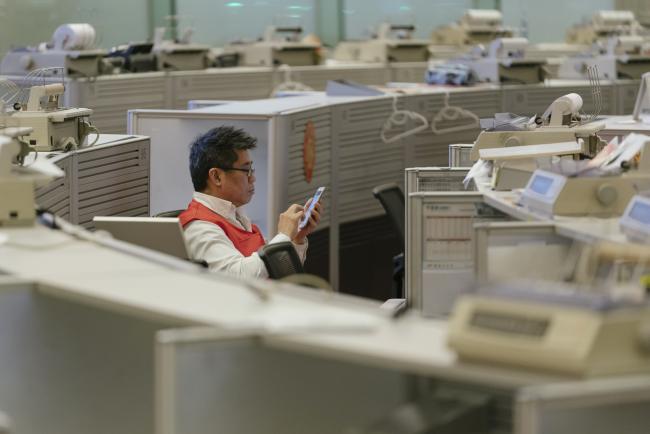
point(453, 113)
point(288, 85)
point(400, 118)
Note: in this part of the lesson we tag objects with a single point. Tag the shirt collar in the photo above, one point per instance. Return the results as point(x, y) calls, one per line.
point(224, 208)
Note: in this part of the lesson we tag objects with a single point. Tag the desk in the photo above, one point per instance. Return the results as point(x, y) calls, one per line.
point(585, 229)
point(86, 317)
point(621, 126)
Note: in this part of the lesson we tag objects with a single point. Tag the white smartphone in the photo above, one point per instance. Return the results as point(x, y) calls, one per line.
point(314, 200)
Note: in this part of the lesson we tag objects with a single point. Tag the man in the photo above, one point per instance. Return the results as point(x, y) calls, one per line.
point(216, 229)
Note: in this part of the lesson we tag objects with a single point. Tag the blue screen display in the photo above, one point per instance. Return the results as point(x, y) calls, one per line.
point(640, 212)
point(541, 184)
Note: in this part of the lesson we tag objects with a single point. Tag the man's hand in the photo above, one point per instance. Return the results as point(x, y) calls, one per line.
point(288, 221)
point(314, 219)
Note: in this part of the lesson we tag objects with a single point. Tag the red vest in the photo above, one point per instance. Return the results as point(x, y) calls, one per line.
point(246, 242)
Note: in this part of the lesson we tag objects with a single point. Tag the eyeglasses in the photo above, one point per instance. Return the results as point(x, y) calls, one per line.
point(249, 172)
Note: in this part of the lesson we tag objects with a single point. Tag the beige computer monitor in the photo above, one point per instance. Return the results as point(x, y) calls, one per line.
point(163, 234)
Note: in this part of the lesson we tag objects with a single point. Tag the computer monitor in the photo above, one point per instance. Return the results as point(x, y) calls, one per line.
point(163, 234)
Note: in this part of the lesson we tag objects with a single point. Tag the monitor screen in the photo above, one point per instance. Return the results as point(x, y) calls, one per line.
point(640, 212)
point(541, 184)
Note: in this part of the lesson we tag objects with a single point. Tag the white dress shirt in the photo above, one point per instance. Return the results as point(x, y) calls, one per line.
point(208, 242)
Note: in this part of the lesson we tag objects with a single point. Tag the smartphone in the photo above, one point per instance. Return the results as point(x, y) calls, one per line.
point(314, 200)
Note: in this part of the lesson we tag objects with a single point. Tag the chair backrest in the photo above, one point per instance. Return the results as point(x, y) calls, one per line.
point(392, 199)
point(280, 259)
point(174, 213)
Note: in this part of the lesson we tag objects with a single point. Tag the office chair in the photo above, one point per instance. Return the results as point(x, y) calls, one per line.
point(174, 213)
point(282, 263)
point(281, 260)
point(392, 199)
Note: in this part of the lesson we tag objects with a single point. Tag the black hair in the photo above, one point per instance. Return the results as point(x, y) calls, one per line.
point(216, 148)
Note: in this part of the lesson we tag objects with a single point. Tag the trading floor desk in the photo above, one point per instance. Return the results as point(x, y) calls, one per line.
point(588, 229)
point(79, 323)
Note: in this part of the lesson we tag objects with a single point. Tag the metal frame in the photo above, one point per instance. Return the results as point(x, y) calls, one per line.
point(483, 232)
point(414, 176)
point(414, 241)
point(460, 154)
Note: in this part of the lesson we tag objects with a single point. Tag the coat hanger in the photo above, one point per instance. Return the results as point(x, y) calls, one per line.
point(453, 113)
point(288, 85)
point(400, 118)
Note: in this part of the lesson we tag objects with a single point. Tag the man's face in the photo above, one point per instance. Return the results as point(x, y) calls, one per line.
point(236, 186)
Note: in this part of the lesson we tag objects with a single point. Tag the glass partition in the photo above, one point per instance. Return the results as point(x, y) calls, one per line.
point(29, 22)
point(362, 17)
point(549, 20)
point(218, 22)
point(545, 21)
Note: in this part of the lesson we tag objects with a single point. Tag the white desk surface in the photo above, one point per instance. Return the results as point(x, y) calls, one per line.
point(587, 229)
point(90, 274)
point(506, 202)
point(625, 124)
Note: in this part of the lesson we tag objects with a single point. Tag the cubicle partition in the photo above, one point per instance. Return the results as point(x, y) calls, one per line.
point(288, 131)
point(430, 148)
point(110, 96)
point(408, 72)
point(110, 178)
point(527, 100)
point(626, 96)
point(225, 83)
point(355, 241)
point(171, 133)
point(350, 160)
point(316, 77)
point(57, 196)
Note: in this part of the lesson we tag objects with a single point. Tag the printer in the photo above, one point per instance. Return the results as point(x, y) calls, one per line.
point(615, 57)
point(561, 122)
point(513, 144)
point(17, 181)
point(71, 48)
point(391, 43)
point(504, 61)
point(477, 26)
point(556, 327)
point(135, 57)
point(603, 25)
point(179, 54)
point(279, 46)
point(51, 127)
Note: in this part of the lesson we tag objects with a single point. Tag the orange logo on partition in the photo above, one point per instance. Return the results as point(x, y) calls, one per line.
point(309, 151)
